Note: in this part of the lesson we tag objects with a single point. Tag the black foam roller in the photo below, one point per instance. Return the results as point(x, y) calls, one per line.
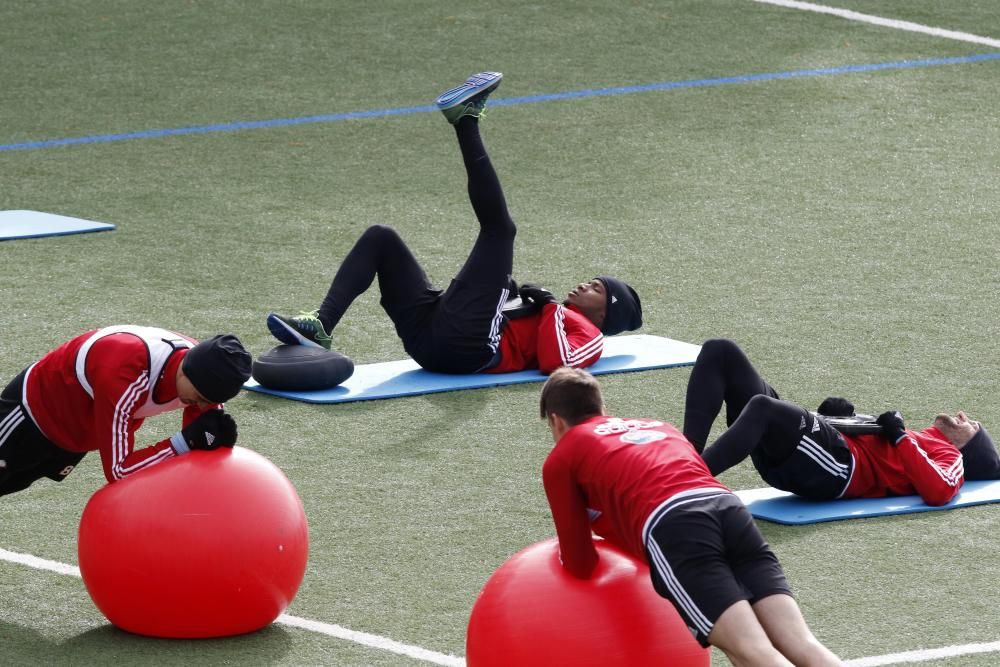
point(301, 368)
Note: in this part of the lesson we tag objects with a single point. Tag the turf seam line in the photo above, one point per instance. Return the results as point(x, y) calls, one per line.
point(884, 22)
point(329, 629)
point(376, 641)
point(508, 101)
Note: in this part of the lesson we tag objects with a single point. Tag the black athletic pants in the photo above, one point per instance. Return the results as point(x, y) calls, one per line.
point(457, 330)
point(25, 454)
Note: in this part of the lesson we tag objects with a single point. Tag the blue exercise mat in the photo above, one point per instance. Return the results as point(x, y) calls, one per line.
point(405, 378)
point(782, 507)
point(32, 224)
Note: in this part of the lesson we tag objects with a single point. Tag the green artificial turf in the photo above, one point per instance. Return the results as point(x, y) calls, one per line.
point(841, 228)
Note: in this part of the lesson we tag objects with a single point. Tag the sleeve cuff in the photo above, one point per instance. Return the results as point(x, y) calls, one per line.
point(177, 442)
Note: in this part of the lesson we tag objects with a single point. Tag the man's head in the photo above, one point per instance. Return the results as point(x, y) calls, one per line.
point(612, 305)
point(213, 371)
point(958, 429)
point(979, 455)
point(569, 397)
point(189, 394)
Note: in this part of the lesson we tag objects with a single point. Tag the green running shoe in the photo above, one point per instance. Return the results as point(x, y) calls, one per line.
point(469, 99)
point(303, 329)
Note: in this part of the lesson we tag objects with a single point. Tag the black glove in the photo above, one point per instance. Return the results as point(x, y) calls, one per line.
point(536, 294)
point(210, 430)
point(834, 406)
point(892, 425)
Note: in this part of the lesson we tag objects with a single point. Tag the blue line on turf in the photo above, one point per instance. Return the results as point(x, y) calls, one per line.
point(507, 101)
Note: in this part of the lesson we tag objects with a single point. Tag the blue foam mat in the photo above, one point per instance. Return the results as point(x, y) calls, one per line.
point(405, 378)
point(34, 224)
point(782, 507)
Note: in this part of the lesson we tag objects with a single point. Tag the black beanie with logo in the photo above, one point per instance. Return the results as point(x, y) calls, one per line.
point(624, 310)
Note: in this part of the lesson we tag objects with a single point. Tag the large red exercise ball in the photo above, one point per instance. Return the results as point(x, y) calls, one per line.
point(532, 612)
point(208, 544)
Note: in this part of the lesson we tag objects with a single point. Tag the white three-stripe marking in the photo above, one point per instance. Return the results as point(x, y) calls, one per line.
point(954, 475)
point(825, 460)
point(120, 424)
point(497, 319)
point(678, 592)
point(571, 357)
point(663, 566)
point(10, 422)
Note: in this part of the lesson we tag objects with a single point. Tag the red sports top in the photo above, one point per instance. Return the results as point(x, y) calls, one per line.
point(923, 463)
point(93, 392)
point(609, 474)
point(556, 336)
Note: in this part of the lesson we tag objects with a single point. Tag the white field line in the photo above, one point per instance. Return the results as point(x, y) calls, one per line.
point(924, 655)
point(373, 641)
point(888, 23)
point(39, 563)
point(328, 629)
point(382, 643)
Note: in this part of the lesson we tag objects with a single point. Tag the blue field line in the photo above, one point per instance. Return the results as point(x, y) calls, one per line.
point(506, 101)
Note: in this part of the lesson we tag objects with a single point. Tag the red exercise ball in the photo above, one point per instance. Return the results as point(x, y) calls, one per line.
point(208, 544)
point(532, 612)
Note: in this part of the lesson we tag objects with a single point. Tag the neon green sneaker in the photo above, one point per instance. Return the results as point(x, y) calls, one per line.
point(303, 329)
point(469, 99)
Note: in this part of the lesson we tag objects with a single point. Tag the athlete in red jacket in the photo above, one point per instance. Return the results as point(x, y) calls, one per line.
point(641, 485)
point(803, 452)
point(466, 328)
point(93, 392)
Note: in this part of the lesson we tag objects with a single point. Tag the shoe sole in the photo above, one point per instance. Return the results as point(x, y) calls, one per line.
point(489, 81)
point(286, 334)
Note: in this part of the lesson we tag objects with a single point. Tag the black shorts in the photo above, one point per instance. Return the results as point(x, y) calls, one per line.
point(26, 454)
point(819, 467)
point(706, 554)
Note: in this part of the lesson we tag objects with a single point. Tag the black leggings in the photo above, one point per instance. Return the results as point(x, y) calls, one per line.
point(408, 296)
point(768, 428)
point(791, 448)
point(721, 374)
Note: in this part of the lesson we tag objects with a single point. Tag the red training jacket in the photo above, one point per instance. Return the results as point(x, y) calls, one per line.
point(609, 474)
point(924, 463)
point(556, 336)
point(93, 392)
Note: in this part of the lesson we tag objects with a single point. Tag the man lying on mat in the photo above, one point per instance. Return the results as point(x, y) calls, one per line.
point(93, 392)
point(804, 453)
point(464, 329)
point(642, 486)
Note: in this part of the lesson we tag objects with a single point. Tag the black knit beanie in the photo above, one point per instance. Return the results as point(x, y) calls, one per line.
point(980, 458)
point(218, 367)
point(624, 310)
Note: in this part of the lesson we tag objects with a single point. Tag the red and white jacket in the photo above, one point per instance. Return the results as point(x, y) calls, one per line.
point(556, 336)
point(608, 475)
point(93, 392)
point(923, 463)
